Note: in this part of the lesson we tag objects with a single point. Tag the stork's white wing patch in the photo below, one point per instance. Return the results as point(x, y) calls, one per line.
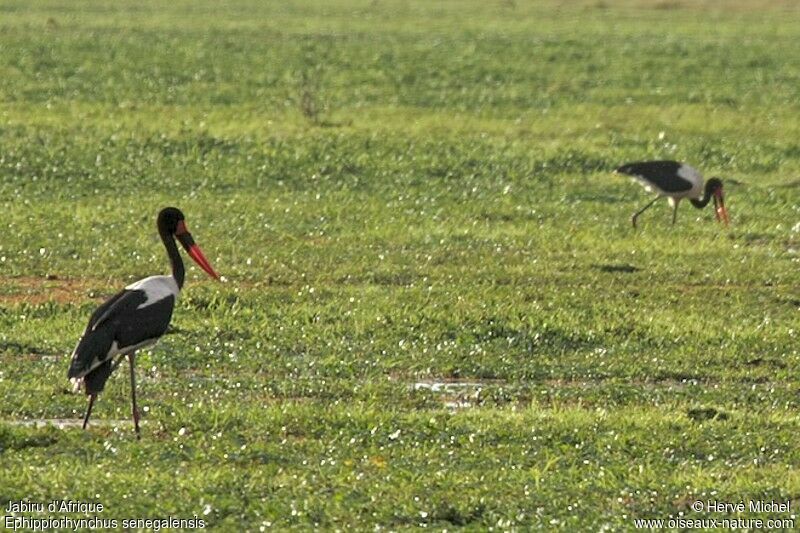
point(155, 288)
point(690, 174)
point(693, 176)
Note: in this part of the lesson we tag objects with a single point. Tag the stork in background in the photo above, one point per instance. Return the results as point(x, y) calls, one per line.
point(676, 181)
point(134, 318)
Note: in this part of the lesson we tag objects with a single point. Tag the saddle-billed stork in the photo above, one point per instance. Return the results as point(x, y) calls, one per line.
point(134, 318)
point(676, 181)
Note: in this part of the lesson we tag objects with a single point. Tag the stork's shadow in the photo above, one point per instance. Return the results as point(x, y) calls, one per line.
point(626, 269)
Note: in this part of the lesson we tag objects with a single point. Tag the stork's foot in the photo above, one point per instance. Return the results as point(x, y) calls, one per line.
point(136, 424)
point(88, 410)
point(134, 409)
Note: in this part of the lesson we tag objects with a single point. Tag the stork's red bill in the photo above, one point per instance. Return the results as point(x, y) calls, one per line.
point(719, 206)
point(194, 251)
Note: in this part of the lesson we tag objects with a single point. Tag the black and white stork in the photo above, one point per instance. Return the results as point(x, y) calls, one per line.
point(134, 318)
point(676, 181)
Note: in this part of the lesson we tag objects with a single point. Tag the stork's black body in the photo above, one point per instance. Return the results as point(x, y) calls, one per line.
point(666, 176)
point(134, 318)
point(675, 181)
point(118, 327)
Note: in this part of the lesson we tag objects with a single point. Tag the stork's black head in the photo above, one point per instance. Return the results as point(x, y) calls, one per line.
point(169, 219)
point(172, 223)
point(714, 189)
point(713, 185)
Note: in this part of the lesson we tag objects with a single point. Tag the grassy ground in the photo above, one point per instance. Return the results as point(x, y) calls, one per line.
point(405, 192)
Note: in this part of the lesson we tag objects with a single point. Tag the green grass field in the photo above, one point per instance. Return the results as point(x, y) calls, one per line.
point(402, 193)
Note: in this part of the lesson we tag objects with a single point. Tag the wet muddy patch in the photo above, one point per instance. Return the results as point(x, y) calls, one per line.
point(51, 288)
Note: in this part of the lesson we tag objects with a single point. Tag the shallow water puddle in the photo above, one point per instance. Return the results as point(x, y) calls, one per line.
point(33, 357)
point(64, 423)
point(455, 394)
point(458, 404)
point(448, 386)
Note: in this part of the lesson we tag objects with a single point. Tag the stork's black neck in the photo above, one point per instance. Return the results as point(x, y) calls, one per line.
point(178, 272)
point(708, 190)
point(700, 203)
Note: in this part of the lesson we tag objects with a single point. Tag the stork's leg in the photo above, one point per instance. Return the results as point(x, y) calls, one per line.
point(674, 211)
point(134, 410)
point(642, 210)
point(88, 410)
